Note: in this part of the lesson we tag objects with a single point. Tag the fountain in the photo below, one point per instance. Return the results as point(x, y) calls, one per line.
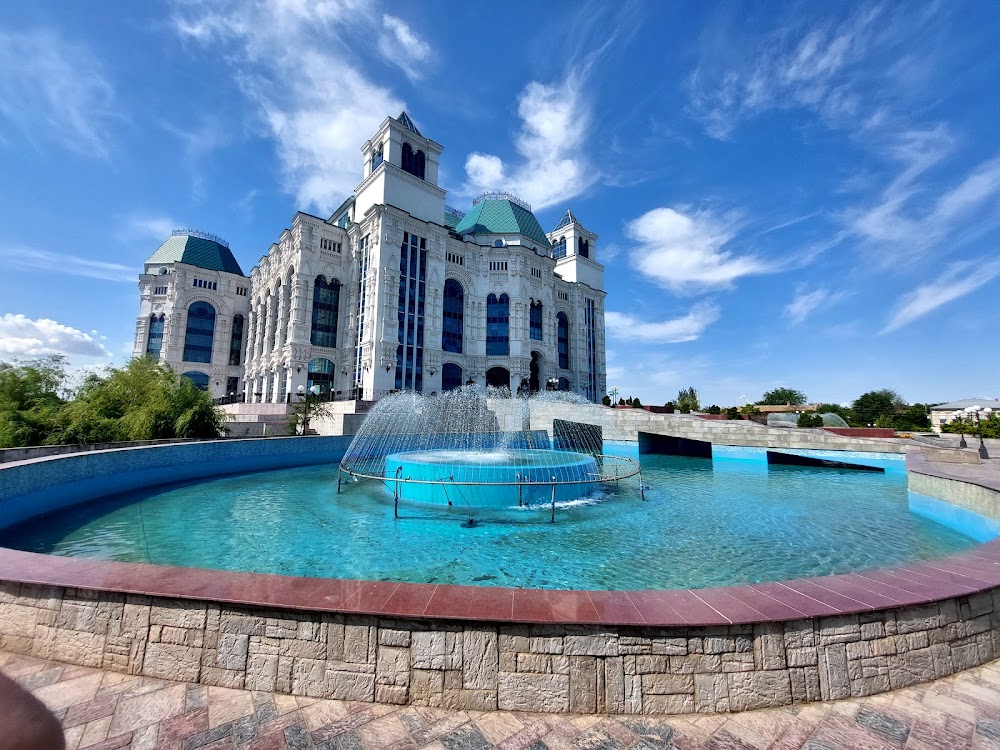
point(463, 448)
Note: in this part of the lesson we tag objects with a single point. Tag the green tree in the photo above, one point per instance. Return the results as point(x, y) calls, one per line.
point(30, 400)
point(749, 410)
point(142, 401)
point(304, 409)
point(809, 419)
point(914, 418)
point(844, 412)
point(715, 409)
point(688, 397)
point(989, 426)
point(868, 407)
point(636, 403)
point(782, 396)
point(732, 413)
point(606, 400)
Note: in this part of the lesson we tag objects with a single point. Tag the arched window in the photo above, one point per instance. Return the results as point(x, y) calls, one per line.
point(272, 318)
point(451, 376)
point(414, 163)
point(535, 320)
point(326, 303)
point(154, 343)
point(200, 333)
point(236, 340)
point(454, 317)
point(497, 325)
point(562, 340)
point(583, 247)
point(321, 372)
point(200, 379)
point(559, 248)
point(377, 156)
point(498, 377)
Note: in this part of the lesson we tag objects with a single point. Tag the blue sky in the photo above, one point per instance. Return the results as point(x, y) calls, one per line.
point(801, 194)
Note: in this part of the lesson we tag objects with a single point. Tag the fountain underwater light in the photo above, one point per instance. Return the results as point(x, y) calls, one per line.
point(458, 449)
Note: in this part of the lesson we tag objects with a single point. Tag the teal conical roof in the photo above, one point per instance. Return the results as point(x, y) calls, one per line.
point(197, 249)
point(502, 216)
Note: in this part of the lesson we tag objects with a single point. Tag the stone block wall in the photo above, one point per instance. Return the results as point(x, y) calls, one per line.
point(483, 666)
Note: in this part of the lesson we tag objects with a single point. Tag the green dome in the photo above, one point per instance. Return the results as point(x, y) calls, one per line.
point(507, 215)
point(197, 249)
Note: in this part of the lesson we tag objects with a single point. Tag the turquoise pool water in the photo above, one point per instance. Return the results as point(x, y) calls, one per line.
point(703, 524)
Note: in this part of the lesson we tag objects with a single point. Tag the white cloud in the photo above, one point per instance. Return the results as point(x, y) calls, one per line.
point(806, 302)
point(958, 280)
point(687, 252)
point(55, 90)
point(146, 226)
point(910, 217)
point(292, 59)
point(554, 123)
point(29, 259)
point(400, 46)
point(677, 330)
point(847, 71)
point(21, 336)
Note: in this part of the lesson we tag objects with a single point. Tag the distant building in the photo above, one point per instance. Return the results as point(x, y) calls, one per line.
point(194, 301)
point(394, 291)
point(943, 414)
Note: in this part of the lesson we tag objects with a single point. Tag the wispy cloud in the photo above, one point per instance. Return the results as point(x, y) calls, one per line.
point(554, 123)
point(198, 142)
point(400, 46)
point(807, 301)
point(30, 259)
point(21, 336)
point(688, 251)
point(914, 215)
point(53, 89)
point(674, 331)
point(146, 227)
point(960, 279)
point(294, 61)
point(842, 69)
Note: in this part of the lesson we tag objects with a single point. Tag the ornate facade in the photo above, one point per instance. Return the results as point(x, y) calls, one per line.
point(397, 291)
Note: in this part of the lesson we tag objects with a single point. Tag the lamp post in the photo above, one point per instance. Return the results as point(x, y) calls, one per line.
point(959, 415)
point(613, 393)
point(978, 412)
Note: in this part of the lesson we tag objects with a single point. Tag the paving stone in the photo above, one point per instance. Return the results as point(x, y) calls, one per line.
point(467, 737)
point(883, 724)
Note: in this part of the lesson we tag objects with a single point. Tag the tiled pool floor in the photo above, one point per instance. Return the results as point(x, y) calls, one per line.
point(106, 710)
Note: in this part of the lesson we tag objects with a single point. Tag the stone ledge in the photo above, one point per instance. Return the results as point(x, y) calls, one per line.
point(481, 666)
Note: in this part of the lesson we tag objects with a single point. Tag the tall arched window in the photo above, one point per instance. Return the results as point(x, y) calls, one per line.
point(326, 303)
point(236, 340)
point(583, 248)
point(414, 163)
point(535, 320)
point(559, 248)
point(562, 340)
point(200, 333)
point(497, 325)
point(321, 372)
point(272, 318)
point(154, 343)
point(454, 317)
point(200, 379)
point(451, 376)
point(377, 156)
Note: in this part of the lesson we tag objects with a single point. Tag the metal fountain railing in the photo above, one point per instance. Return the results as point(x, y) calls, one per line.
point(633, 468)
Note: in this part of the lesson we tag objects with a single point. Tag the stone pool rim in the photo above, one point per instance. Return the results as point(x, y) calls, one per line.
point(482, 648)
point(963, 574)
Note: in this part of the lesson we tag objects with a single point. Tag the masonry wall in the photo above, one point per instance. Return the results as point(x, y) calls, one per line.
point(478, 666)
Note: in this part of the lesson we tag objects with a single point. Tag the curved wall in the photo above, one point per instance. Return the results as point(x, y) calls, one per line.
point(702, 650)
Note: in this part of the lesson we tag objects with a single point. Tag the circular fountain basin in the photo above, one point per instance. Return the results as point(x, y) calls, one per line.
point(494, 479)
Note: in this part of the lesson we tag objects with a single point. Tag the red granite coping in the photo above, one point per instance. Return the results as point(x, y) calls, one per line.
point(918, 583)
